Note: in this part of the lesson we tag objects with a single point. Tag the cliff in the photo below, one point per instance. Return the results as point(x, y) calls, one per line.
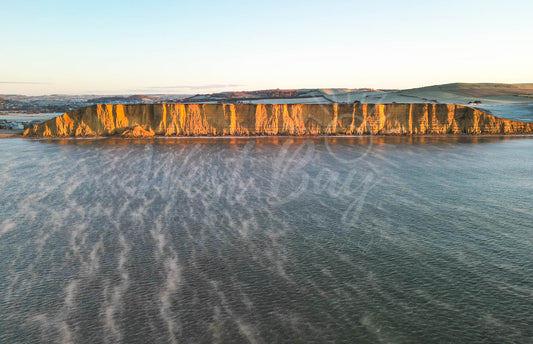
point(295, 119)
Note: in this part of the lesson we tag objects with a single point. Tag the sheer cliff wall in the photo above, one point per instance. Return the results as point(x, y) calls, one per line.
point(140, 120)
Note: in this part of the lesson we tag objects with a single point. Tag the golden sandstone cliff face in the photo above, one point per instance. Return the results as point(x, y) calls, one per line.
point(141, 120)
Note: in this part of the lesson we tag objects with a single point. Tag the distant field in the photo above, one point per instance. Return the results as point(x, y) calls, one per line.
point(486, 90)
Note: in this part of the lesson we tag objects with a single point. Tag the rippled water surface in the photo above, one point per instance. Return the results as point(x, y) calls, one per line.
point(355, 240)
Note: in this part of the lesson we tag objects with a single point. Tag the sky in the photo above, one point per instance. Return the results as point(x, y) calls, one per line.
point(190, 47)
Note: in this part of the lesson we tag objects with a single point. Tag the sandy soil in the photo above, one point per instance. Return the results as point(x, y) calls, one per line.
point(5, 133)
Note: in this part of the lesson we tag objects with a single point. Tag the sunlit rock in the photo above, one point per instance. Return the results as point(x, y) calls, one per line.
point(143, 120)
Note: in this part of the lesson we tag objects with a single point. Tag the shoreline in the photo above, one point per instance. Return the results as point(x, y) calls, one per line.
point(17, 134)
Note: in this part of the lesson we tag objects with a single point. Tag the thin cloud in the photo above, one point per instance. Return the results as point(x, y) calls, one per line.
point(183, 89)
point(23, 83)
point(193, 87)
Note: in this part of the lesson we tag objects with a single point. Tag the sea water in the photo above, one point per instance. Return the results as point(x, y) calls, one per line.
point(267, 240)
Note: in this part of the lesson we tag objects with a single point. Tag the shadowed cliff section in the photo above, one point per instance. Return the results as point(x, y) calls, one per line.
point(145, 120)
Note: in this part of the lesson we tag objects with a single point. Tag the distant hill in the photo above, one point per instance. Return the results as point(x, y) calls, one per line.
point(316, 95)
point(480, 89)
point(461, 93)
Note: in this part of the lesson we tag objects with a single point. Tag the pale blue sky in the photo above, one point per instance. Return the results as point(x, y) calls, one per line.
point(162, 46)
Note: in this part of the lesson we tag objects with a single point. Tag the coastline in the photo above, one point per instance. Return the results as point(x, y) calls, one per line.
point(278, 139)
